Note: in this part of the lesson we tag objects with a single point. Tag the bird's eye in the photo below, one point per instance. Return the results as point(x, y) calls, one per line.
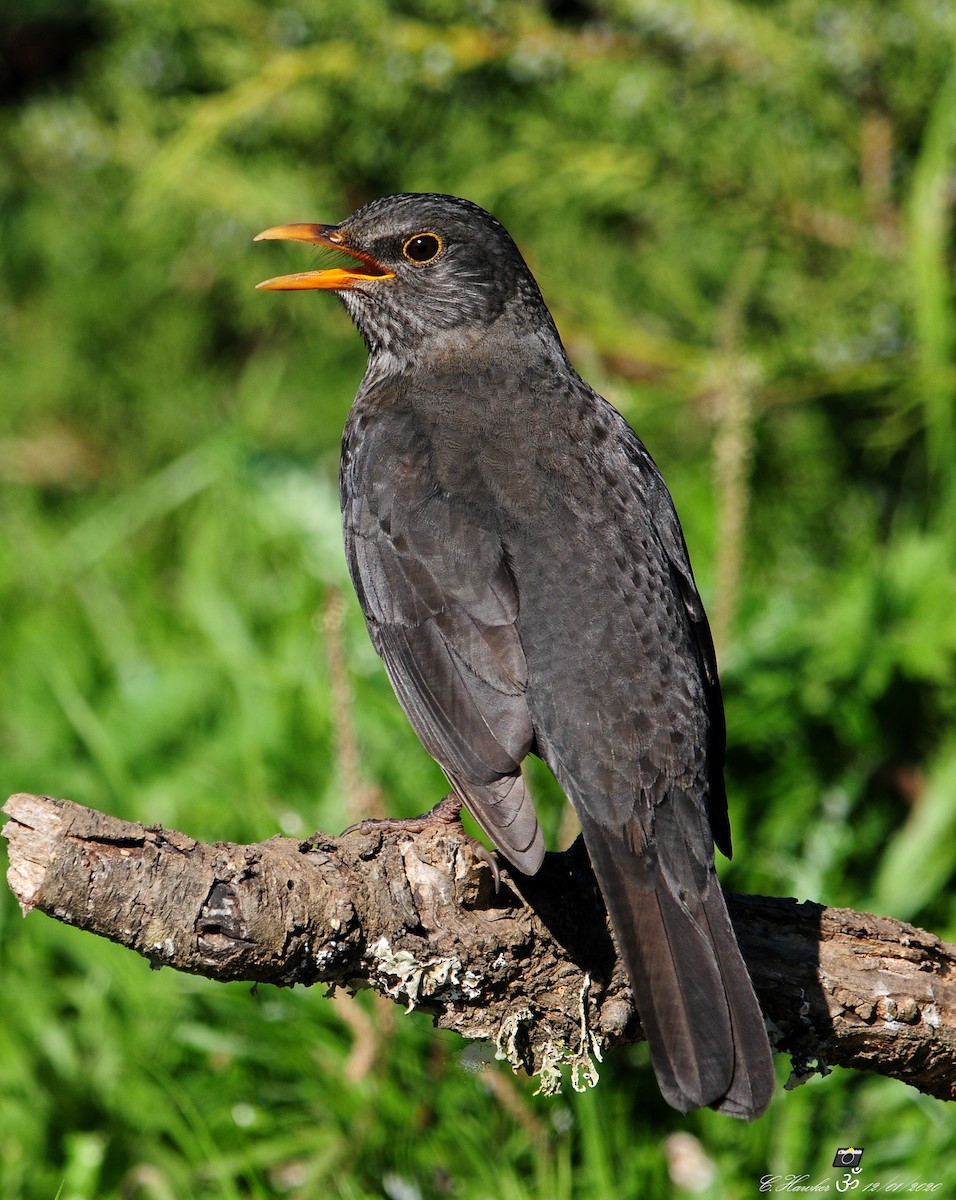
point(422, 248)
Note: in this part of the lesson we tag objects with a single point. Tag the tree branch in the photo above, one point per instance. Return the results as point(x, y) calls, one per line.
point(531, 967)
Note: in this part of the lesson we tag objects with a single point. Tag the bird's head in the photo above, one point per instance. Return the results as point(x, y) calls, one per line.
point(425, 269)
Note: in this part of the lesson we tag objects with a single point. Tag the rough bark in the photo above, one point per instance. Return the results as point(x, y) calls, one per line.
point(530, 967)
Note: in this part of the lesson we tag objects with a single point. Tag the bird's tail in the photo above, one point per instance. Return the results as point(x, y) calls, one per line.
point(704, 1028)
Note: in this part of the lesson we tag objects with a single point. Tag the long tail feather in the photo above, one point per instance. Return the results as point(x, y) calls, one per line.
point(696, 1002)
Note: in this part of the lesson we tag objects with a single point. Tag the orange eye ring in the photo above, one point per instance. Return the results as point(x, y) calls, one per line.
point(423, 248)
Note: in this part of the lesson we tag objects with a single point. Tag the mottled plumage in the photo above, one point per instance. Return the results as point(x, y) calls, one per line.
point(525, 579)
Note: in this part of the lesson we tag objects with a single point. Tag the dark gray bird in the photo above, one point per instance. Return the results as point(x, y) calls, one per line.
point(524, 577)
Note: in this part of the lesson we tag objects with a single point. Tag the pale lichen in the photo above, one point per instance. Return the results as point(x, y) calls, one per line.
point(415, 977)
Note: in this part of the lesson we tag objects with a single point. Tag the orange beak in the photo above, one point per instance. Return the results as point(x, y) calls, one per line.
point(331, 279)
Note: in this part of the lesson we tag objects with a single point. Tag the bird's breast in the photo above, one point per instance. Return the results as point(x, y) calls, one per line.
point(480, 441)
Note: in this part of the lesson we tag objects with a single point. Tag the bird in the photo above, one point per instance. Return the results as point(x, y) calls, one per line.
point(525, 579)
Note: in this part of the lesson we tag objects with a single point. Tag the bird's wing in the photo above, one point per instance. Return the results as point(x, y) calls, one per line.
point(441, 606)
point(669, 531)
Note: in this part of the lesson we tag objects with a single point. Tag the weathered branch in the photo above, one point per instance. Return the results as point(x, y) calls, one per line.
point(417, 917)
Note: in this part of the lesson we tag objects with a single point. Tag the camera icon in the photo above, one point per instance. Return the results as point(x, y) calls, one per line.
point(847, 1156)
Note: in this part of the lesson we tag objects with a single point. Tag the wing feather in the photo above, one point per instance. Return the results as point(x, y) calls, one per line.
point(441, 608)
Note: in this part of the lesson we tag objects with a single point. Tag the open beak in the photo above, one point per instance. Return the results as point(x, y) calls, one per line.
point(331, 279)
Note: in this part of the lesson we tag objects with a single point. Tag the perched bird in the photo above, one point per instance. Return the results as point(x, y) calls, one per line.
point(524, 577)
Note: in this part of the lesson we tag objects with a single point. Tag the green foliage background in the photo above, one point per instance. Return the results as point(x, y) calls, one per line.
point(741, 215)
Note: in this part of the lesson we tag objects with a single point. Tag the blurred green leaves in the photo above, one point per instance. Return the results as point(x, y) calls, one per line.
point(930, 234)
